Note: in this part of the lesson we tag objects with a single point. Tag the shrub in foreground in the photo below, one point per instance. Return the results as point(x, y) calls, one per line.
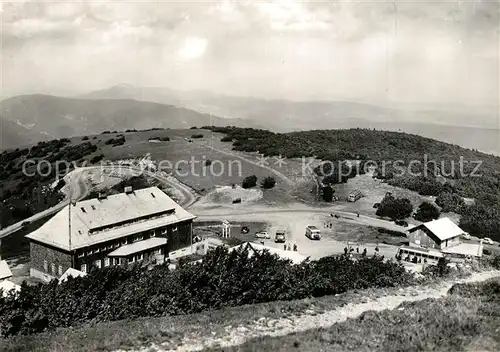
point(222, 279)
point(249, 182)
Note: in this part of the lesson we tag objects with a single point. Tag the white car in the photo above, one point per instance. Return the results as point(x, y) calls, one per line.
point(466, 236)
point(488, 240)
point(263, 234)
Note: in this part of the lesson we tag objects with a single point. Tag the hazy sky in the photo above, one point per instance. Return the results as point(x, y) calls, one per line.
point(410, 51)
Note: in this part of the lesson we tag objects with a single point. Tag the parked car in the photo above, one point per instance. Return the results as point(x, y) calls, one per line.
point(312, 232)
point(280, 236)
point(245, 229)
point(488, 240)
point(237, 201)
point(466, 236)
point(25, 223)
point(401, 223)
point(263, 234)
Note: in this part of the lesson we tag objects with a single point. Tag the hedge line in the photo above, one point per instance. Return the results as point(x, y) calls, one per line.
point(223, 279)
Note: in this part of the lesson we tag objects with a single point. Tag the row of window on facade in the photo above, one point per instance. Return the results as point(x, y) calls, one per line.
point(116, 261)
point(52, 268)
point(118, 244)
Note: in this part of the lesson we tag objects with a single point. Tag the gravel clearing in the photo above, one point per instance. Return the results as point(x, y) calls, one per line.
point(237, 335)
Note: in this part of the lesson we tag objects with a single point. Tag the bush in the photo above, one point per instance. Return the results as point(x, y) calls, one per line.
point(95, 159)
point(268, 183)
point(226, 139)
point(395, 208)
point(197, 136)
point(221, 280)
point(249, 182)
point(85, 138)
point(450, 202)
point(427, 212)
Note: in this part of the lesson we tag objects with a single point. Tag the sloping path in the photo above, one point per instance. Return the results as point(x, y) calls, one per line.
point(235, 336)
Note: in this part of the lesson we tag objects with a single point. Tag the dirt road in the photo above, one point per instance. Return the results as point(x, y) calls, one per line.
point(294, 218)
point(235, 336)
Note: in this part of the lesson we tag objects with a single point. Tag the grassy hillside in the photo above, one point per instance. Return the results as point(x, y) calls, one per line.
point(464, 322)
point(455, 323)
point(64, 117)
point(420, 164)
point(12, 134)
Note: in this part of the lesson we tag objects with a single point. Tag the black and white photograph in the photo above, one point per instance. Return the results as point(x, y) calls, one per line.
point(249, 175)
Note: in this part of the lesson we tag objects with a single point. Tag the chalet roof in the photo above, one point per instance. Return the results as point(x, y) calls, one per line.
point(443, 228)
point(295, 257)
point(5, 272)
point(71, 272)
point(138, 247)
point(110, 218)
point(7, 286)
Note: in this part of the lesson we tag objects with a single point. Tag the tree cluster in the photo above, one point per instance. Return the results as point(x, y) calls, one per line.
point(222, 279)
point(394, 208)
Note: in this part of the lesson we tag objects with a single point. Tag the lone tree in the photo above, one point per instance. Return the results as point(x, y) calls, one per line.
point(249, 182)
point(327, 193)
point(426, 212)
point(395, 208)
point(268, 182)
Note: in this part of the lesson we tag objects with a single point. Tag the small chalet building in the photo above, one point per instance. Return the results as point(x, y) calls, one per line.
point(438, 238)
point(135, 226)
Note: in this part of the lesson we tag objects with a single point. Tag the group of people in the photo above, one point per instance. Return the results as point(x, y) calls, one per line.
point(289, 248)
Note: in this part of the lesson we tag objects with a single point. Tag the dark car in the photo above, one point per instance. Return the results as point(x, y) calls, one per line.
point(237, 200)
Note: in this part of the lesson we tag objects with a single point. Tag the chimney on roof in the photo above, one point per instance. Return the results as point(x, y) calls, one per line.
point(129, 190)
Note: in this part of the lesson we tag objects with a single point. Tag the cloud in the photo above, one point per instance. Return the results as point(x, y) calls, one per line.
point(377, 51)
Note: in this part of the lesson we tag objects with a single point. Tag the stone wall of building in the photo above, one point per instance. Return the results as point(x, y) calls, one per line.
point(49, 260)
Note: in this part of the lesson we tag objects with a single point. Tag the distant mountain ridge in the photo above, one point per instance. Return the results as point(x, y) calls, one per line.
point(45, 116)
point(285, 116)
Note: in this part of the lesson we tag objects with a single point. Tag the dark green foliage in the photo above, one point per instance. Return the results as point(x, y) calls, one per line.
point(391, 232)
point(427, 212)
point(197, 136)
point(95, 159)
point(440, 270)
point(226, 139)
point(450, 202)
point(426, 186)
point(116, 141)
point(394, 208)
point(327, 192)
point(488, 290)
point(85, 138)
point(193, 128)
point(482, 220)
point(268, 183)
point(249, 182)
point(222, 279)
point(441, 159)
point(26, 193)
